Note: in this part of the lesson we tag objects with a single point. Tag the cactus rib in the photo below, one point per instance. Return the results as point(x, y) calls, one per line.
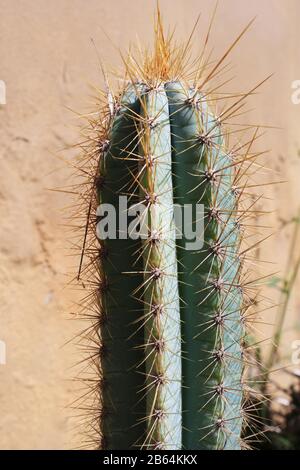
point(211, 326)
point(161, 298)
point(121, 412)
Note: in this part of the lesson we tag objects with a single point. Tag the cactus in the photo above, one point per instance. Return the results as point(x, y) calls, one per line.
point(169, 318)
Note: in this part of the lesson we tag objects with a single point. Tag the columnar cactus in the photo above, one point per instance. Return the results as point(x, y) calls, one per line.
point(169, 314)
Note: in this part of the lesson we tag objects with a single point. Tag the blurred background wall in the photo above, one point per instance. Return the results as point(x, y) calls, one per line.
point(48, 62)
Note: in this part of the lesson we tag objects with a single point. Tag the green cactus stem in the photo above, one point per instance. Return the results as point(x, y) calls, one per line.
point(171, 309)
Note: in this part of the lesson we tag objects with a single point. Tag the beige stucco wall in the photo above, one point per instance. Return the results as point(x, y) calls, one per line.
point(47, 62)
